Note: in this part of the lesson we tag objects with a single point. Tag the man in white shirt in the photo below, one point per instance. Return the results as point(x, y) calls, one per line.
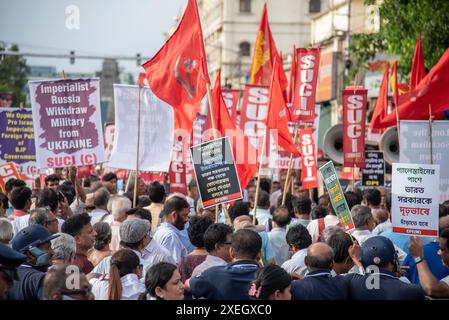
point(120, 205)
point(217, 242)
point(176, 214)
point(382, 219)
point(317, 226)
point(277, 236)
point(101, 199)
point(299, 239)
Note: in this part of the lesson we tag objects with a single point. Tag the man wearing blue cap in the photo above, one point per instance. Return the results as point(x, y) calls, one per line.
point(380, 282)
point(34, 243)
point(9, 261)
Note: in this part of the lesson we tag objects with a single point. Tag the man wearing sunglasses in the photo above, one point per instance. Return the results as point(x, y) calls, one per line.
point(9, 261)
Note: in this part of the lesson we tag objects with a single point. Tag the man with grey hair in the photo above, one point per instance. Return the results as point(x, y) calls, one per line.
point(100, 201)
point(363, 221)
point(135, 235)
point(6, 233)
point(319, 284)
point(120, 205)
point(45, 218)
point(56, 285)
point(64, 249)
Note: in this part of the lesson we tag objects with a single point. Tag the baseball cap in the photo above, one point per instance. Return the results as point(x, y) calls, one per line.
point(134, 230)
point(377, 250)
point(10, 260)
point(33, 235)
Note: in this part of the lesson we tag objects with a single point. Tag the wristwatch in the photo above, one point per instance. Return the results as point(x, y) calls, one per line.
point(419, 259)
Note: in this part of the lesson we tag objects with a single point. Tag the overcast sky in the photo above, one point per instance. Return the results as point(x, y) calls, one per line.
point(107, 27)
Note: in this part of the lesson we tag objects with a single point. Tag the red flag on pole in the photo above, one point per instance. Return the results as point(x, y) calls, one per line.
point(265, 52)
point(431, 90)
point(291, 83)
point(418, 70)
point(380, 110)
point(394, 83)
point(277, 112)
point(241, 148)
point(177, 73)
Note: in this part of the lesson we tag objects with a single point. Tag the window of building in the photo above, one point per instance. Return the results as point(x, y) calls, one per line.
point(314, 6)
point(245, 49)
point(245, 5)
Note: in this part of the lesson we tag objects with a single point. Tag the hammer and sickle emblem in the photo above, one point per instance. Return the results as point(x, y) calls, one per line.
point(189, 66)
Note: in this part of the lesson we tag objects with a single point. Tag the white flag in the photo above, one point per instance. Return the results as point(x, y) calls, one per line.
point(156, 130)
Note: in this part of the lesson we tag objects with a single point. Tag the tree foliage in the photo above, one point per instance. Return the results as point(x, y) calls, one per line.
point(13, 75)
point(400, 23)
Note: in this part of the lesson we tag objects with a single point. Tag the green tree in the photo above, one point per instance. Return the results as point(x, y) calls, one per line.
point(400, 23)
point(13, 75)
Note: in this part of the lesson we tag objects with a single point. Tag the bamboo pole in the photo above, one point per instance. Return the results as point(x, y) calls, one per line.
point(290, 163)
point(138, 147)
point(430, 134)
point(256, 198)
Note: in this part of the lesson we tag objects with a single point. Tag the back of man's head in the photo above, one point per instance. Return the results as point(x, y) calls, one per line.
point(319, 256)
point(101, 197)
point(380, 215)
point(20, 196)
point(13, 183)
point(119, 207)
point(372, 197)
point(215, 235)
point(68, 190)
point(302, 205)
point(339, 241)
point(240, 208)
point(109, 176)
point(361, 215)
point(264, 200)
point(265, 185)
point(352, 199)
point(246, 244)
point(39, 216)
point(48, 198)
point(299, 237)
point(281, 217)
point(156, 192)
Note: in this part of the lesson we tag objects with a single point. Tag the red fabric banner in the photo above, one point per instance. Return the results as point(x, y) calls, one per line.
point(308, 161)
point(8, 171)
point(307, 65)
point(354, 115)
point(231, 98)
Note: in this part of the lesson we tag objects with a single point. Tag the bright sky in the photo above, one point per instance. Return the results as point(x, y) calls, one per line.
point(107, 27)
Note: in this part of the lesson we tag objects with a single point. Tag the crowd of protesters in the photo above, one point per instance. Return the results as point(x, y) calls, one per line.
point(168, 247)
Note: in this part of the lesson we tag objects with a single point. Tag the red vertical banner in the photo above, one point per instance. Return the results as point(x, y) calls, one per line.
point(253, 115)
point(354, 115)
point(308, 160)
point(307, 65)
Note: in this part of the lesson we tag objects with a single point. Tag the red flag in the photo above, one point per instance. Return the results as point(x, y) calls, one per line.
point(380, 110)
point(433, 90)
point(306, 83)
point(394, 83)
point(354, 115)
point(277, 112)
point(418, 70)
point(308, 161)
point(177, 74)
point(241, 148)
point(265, 52)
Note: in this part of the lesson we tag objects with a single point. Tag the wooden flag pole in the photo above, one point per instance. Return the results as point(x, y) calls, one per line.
point(353, 177)
point(290, 164)
point(256, 198)
point(212, 121)
point(138, 147)
point(430, 134)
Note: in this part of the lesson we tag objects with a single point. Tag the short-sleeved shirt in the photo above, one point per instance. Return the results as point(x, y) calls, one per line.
point(296, 262)
point(279, 244)
point(445, 280)
point(267, 248)
point(188, 264)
